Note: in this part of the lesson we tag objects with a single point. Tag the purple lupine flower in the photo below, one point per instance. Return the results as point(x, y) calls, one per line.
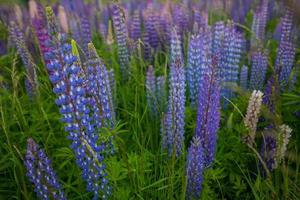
point(259, 23)
point(259, 67)
point(112, 83)
point(244, 77)
point(98, 86)
point(208, 116)
point(195, 161)
point(86, 34)
point(199, 54)
point(135, 26)
point(180, 19)
point(165, 29)
point(268, 151)
point(151, 90)
point(160, 92)
point(174, 118)
point(40, 26)
point(286, 50)
point(31, 78)
point(233, 42)
point(151, 27)
point(41, 174)
point(270, 95)
point(52, 24)
point(121, 37)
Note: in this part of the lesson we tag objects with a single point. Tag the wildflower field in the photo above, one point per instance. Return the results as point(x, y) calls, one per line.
point(150, 99)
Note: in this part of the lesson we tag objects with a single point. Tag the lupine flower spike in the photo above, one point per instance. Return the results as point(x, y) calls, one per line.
point(41, 174)
point(252, 115)
point(194, 170)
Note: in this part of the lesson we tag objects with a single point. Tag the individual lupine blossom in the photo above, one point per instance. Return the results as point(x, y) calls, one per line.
point(151, 27)
point(194, 170)
point(41, 173)
point(282, 139)
point(174, 121)
point(268, 151)
point(252, 115)
point(151, 90)
point(259, 67)
point(31, 78)
point(121, 37)
point(233, 42)
point(86, 34)
point(198, 62)
point(244, 77)
point(259, 23)
point(98, 86)
point(286, 50)
point(271, 93)
point(135, 26)
point(208, 115)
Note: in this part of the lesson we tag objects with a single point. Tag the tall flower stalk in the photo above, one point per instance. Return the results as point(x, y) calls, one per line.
point(41, 173)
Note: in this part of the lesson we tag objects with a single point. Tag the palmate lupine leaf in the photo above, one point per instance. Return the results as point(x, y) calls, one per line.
point(41, 174)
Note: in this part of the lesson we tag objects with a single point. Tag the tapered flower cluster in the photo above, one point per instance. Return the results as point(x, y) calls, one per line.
point(121, 38)
point(244, 77)
point(252, 115)
point(155, 87)
point(271, 93)
point(86, 34)
point(40, 26)
point(173, 124)
point(258, 70)
point(286, 50)
point(99, 87)
point(198, 61)
point(41, 174)
point(208, 115)
point(135, 26)
point(194, 169)
point(151, 28)
point(233, 45)
point(282, 140)
point(259, 24)
point(268, 151)
point(30, 67)
point(76, 100)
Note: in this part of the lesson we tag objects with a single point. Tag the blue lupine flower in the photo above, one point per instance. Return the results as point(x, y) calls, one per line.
point(232, 52)
point(198, 62)
point(258, 70)
point(41, 174)
point(151, 90)
point(270, 95)
point(268, 152)
point(86, 34)
point(286, 50)
point(31, 78)
point(208, 116)
point(174, 118)
point(135, 26)
point(195, 161)
point(98, 86)
point(121, 37)
point(259, 23)
point(244, 77)
point(151, 27)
